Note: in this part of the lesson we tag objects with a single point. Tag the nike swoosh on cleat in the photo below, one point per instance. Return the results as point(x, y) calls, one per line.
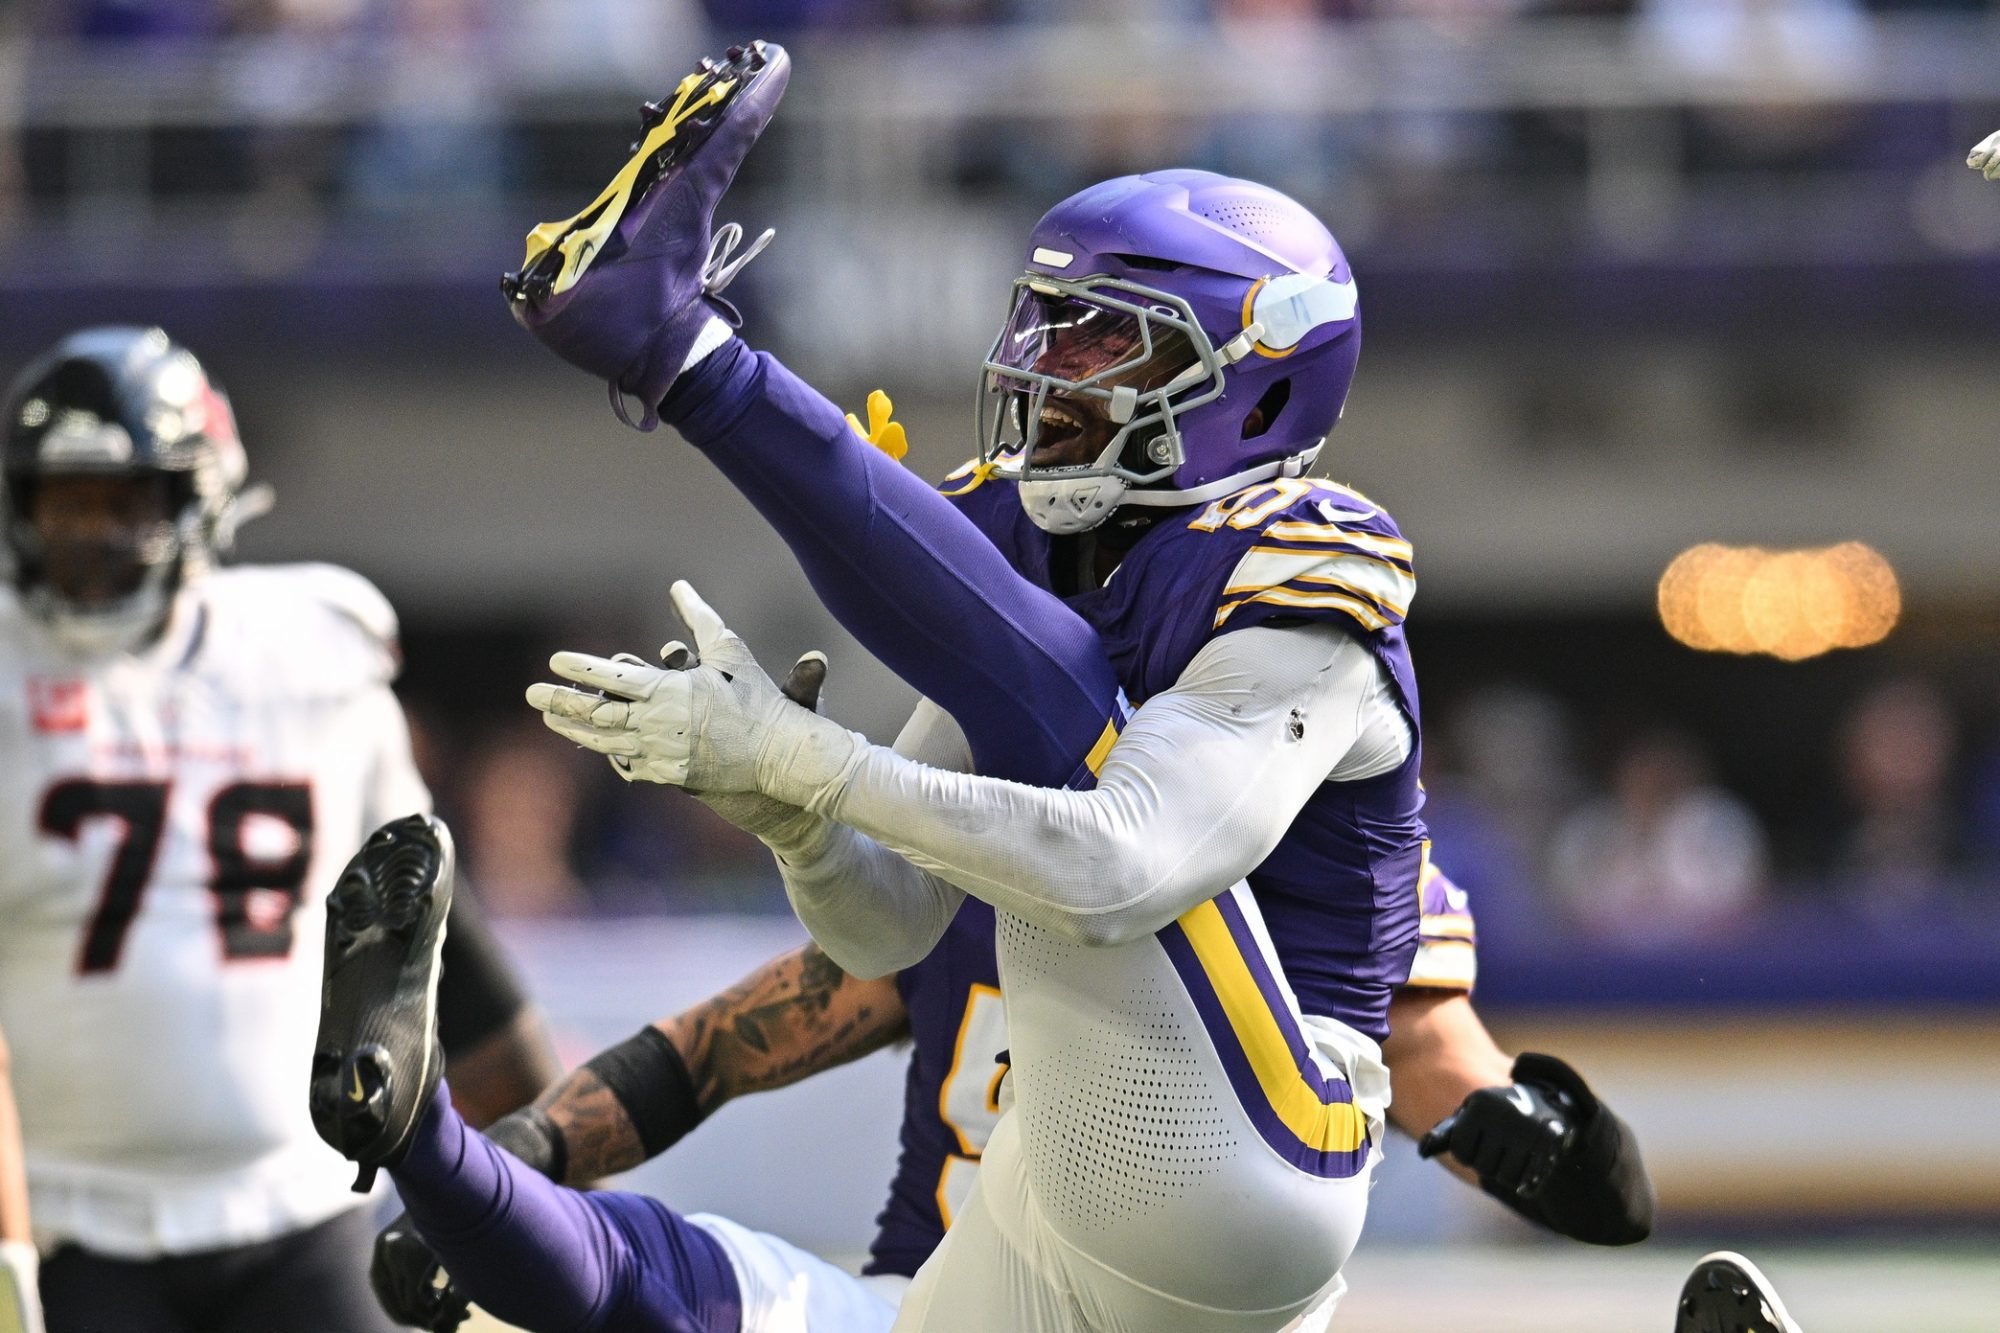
point(359, 1094)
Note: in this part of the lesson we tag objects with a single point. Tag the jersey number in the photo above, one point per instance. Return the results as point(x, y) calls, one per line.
point(255, 896)
point(1251, 506)
point(969, 1101)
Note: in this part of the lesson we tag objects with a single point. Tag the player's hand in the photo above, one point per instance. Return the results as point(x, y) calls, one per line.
point(1511, 1137)
point(410, 1284)
point(1985, 159)
point(764, 816)
point(716, 723)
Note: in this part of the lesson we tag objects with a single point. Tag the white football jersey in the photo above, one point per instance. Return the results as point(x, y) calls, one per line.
point(170, 823)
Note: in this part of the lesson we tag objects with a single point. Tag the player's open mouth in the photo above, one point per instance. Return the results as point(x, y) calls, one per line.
point(1068, 435)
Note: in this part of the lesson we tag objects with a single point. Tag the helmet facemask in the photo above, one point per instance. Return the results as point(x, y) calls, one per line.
point(98, 555)
point(1081, 391)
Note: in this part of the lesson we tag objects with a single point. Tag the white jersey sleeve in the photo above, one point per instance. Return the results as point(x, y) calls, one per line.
point(872, 911)
point(1200, 786)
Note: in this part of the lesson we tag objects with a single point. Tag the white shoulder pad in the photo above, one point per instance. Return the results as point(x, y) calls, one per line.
point(322, 629)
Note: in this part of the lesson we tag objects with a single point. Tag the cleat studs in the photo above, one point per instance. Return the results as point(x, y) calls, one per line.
point(364, 1179)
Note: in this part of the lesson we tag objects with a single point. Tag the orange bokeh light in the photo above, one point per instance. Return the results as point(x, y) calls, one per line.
point(1787, 604)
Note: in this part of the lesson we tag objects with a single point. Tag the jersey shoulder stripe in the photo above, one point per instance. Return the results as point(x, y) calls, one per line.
point(1305, 546)
point(1447, 941)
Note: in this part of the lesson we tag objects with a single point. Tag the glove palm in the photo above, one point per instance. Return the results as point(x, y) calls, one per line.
point(710, 720)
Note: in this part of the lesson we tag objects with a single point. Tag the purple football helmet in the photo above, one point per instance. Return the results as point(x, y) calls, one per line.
point(1177, 336)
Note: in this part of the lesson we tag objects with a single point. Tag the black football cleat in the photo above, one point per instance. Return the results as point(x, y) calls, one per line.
point(377, 1060)
point(1726, 1294)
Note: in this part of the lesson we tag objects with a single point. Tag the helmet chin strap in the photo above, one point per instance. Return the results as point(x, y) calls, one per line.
point(122, 626)
point(1073, 504)
point(111, 631)
point(1066, 506)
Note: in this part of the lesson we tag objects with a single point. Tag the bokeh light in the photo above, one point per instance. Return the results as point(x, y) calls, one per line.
point(1787, 604)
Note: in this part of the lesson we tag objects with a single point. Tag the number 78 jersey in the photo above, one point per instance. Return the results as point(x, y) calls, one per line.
point(170, 822)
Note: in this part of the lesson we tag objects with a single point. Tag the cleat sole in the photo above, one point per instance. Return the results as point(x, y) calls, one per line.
point(376, 1059)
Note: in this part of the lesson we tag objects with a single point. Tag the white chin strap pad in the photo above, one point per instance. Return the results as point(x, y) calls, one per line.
point(108, 632)
point(1078, 504)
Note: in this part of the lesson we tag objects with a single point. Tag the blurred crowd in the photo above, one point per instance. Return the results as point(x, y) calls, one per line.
point(446, 89)
point(1637, 840)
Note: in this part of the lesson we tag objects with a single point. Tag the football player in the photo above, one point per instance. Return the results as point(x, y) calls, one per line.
point(801, 1014)
point(190, 751)
point(1201, 913)
point(1199, 1097)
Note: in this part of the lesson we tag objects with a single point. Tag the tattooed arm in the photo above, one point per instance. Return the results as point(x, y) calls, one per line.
point(795, 1016)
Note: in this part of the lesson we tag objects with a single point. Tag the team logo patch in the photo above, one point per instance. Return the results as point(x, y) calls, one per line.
point(58, 705)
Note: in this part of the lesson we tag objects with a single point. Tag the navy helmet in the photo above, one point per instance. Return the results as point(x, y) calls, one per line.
point(119, 402)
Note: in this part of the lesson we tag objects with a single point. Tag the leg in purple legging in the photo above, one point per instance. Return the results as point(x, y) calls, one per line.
point(553, 1259)
point(905, 573)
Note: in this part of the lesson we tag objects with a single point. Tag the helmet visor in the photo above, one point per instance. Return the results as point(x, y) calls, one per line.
point(1072, 341)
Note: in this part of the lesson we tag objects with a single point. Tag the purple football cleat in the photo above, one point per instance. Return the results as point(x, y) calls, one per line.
point(624, 288)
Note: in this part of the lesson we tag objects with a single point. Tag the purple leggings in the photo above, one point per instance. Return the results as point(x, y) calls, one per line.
point(552, 1259)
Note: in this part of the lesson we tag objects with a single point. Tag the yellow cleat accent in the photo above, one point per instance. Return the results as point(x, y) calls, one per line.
point(579, 243)
point(359, 1094)
point(883, 433)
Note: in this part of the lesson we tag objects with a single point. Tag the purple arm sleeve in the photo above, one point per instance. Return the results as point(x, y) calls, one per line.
point(906, 573)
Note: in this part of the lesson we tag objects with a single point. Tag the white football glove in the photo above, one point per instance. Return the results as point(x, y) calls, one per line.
point(20, 1299)
point(712, 721)
point(1985, 159)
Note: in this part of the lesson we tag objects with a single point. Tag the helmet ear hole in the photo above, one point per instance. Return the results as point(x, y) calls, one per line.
point(1265, 415)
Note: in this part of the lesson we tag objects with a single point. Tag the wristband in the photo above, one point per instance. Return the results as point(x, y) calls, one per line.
point(651, 1081)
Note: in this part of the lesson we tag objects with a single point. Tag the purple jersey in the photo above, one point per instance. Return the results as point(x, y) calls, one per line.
point(1339, 892)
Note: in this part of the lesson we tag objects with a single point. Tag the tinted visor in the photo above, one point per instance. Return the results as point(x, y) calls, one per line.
point(1081, 342)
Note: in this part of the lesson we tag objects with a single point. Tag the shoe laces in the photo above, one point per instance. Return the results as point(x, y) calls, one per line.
point(719, 270)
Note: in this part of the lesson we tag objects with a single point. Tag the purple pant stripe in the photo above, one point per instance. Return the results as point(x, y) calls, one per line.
point(1326, 1089)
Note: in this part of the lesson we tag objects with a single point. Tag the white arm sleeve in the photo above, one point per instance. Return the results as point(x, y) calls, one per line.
point(1197, 791)
point(872, 911)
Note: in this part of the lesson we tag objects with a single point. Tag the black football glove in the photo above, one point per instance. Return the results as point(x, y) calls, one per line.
point(409, 1283)
point(1549, 1149)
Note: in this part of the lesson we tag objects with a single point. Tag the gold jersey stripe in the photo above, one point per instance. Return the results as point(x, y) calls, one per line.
point(1361, 611)
point(1321, 1126)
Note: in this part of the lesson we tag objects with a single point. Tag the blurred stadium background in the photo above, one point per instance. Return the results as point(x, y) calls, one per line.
point(1638, 277)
